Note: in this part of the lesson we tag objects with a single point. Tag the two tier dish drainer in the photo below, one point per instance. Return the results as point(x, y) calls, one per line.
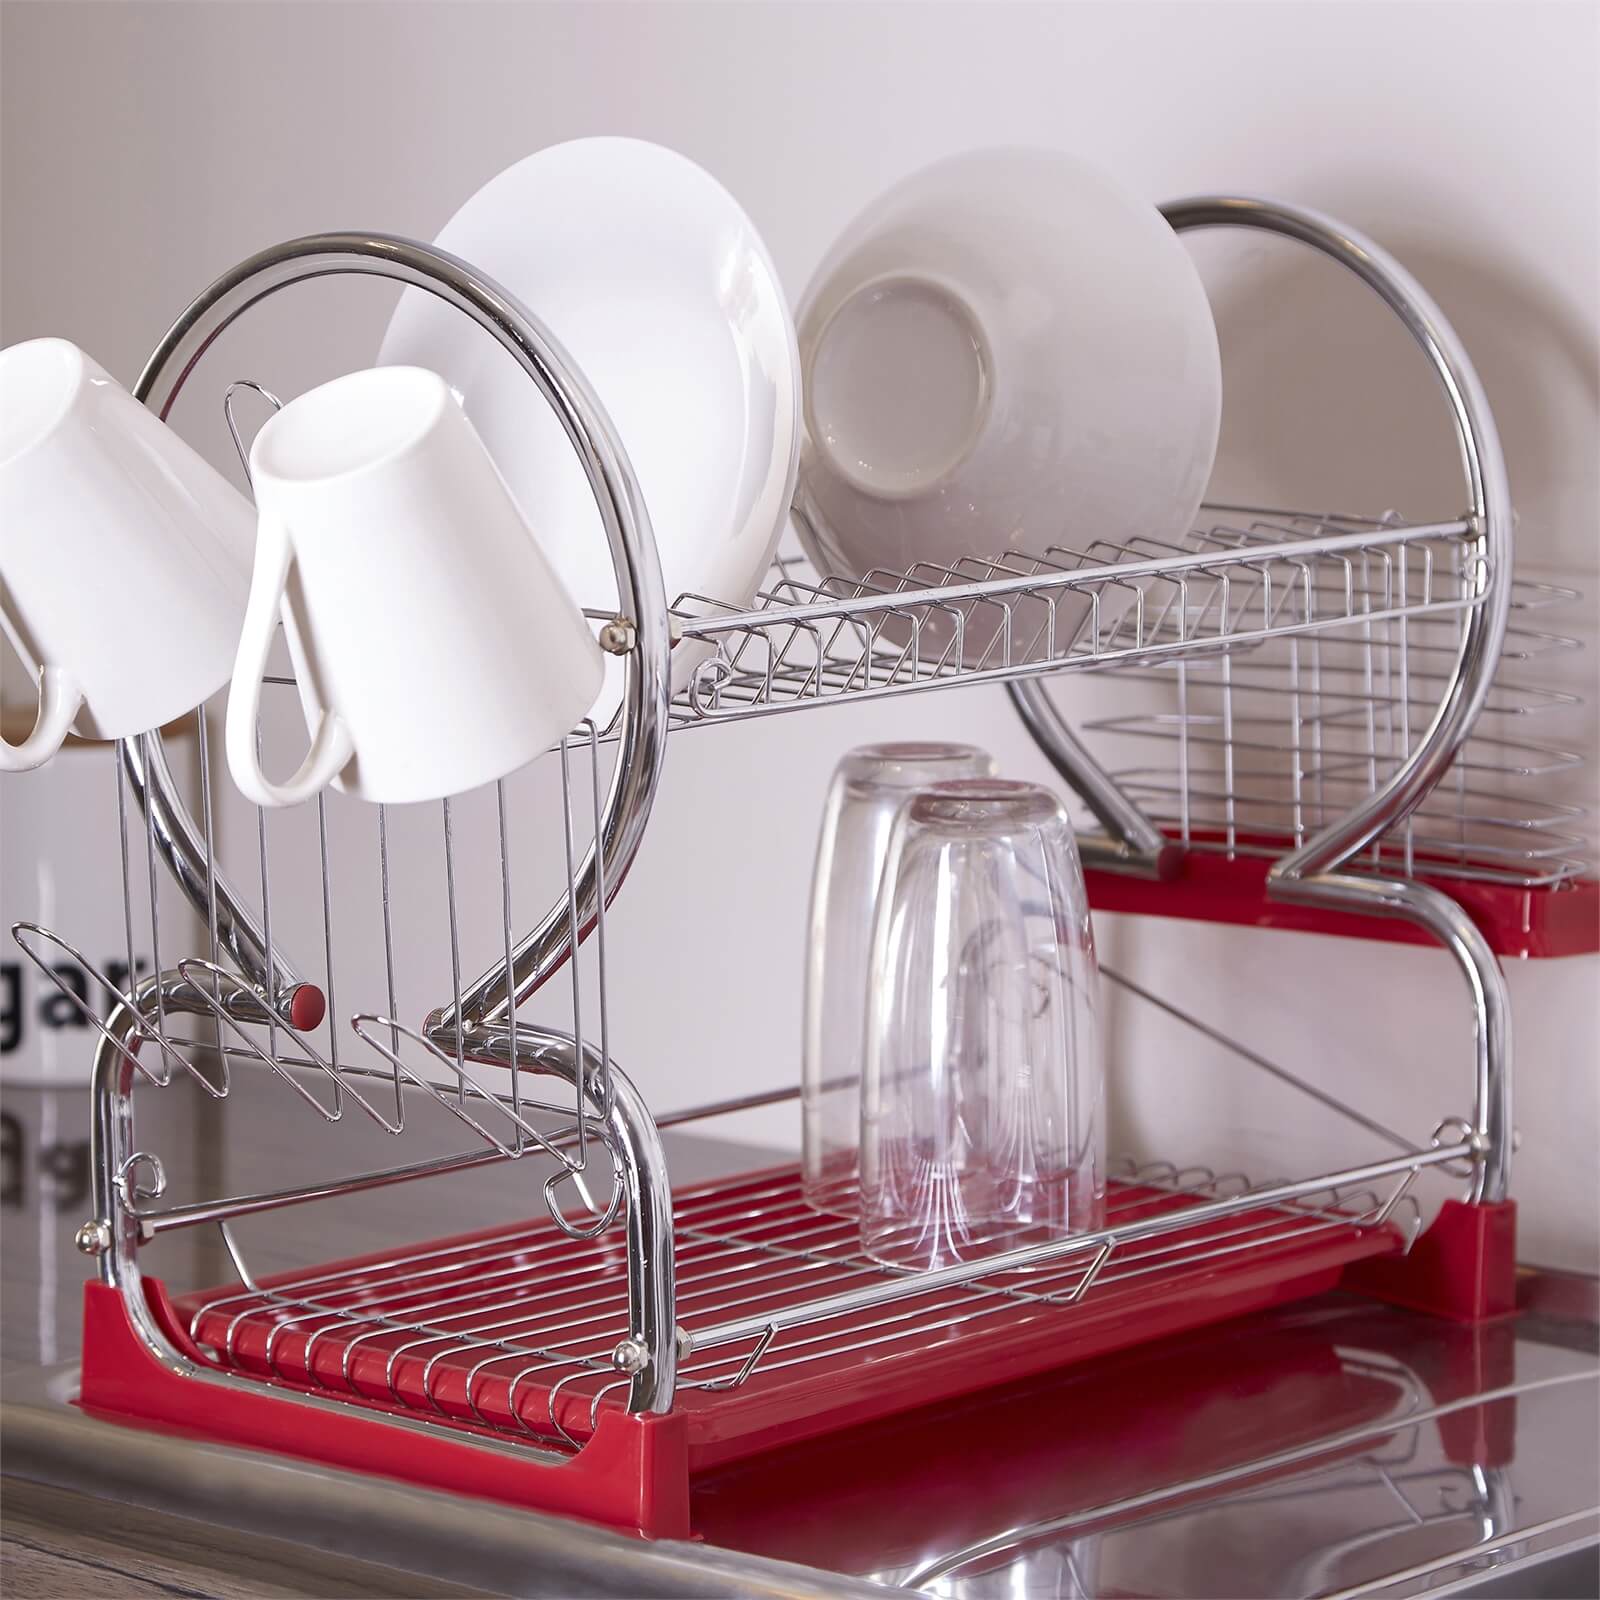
point(594, 1360)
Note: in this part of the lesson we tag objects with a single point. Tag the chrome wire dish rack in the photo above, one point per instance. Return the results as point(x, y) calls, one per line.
point(591, 1361)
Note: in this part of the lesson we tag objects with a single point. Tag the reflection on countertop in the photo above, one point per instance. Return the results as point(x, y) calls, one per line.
point(1303, 1452)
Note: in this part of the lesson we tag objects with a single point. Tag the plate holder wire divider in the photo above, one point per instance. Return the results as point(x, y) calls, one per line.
point(590, 1361)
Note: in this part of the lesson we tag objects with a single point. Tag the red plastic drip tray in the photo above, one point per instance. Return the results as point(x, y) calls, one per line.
point(515, 1328)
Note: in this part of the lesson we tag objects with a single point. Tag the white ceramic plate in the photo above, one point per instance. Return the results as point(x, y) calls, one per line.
point(659, 287)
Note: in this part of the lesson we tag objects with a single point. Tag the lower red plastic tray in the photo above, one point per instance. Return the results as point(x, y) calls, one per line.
point(417, 1329)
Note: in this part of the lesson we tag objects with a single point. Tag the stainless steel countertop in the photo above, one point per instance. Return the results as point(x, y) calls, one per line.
point(1333, 1448)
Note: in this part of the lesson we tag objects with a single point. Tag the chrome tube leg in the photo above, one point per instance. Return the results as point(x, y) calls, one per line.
point(111, 1235)
point(642, 1170)
point(1310, 874)
point(1440, 916)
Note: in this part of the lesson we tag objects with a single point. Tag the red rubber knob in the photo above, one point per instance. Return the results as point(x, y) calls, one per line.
point(307, 1007)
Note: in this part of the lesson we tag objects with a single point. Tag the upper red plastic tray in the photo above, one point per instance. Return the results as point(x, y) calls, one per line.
point(1555, 920)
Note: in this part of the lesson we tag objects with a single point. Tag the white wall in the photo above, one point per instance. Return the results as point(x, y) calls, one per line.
point(147, 147)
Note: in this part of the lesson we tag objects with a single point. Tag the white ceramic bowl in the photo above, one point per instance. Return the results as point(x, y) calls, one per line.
point(1003, 353)
point(660, 289)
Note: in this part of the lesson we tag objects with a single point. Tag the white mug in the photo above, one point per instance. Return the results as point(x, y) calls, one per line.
point(434, 646)
point(124, 556)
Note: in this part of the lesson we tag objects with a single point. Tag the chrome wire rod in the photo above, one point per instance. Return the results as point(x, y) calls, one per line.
point(1036, 1255)
point(195, 1213)
point(1255, 1059)
point(1083, 580)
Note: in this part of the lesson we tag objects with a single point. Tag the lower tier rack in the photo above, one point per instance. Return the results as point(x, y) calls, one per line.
point(515, 1331)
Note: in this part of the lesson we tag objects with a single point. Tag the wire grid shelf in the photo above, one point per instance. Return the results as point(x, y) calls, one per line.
point(518, 1331)
point(1243, 578)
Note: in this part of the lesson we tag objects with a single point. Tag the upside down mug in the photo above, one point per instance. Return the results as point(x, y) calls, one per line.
point(434, 647)
point(124, 555)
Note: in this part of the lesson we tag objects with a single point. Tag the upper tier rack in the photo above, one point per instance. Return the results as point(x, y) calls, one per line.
point(1246, 576)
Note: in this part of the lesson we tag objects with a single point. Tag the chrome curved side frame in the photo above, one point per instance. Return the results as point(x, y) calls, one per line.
point(1136, 844)
point(1488, 512)
point(639, 584)
point(628, 1128)
point(1310, 875)
point(646, 1199)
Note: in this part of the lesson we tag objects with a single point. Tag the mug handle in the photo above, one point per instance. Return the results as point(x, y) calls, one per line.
point(331, 746)
point(60, 700)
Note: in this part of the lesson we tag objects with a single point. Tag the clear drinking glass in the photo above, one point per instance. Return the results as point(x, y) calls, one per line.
point(982, 1095)
point(869, 786)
